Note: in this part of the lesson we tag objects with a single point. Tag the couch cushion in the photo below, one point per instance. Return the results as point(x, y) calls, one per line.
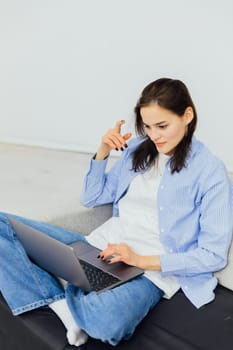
point(173, 324)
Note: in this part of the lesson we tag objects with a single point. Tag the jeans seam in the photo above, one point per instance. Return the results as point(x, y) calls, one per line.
point(36, 304)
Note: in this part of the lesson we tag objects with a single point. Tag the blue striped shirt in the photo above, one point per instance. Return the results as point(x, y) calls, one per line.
point(195, 214)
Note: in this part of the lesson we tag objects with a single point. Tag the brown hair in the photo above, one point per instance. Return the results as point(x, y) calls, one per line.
point(172, 95)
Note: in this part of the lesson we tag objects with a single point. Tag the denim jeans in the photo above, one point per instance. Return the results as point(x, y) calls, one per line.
point(109, 316)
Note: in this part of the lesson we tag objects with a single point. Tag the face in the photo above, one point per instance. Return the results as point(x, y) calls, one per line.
point(165, 128)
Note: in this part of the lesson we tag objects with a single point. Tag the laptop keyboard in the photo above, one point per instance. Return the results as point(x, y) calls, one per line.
point(97, 278)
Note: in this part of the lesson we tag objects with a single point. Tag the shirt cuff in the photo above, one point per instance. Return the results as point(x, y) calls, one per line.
point(172, 264)
point(94, 157)
point(98, 166)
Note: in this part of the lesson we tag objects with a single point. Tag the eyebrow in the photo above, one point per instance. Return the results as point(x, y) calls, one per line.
point(157, 124)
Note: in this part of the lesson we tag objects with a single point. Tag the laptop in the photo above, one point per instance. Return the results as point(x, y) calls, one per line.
point(76, 263)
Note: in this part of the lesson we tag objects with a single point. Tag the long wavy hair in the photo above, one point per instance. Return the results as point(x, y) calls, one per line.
point(172, 95)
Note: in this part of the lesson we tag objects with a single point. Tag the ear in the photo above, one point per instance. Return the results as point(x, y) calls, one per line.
point(188, 115)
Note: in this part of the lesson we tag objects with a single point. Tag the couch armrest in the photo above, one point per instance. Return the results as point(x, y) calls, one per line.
point(84, 220)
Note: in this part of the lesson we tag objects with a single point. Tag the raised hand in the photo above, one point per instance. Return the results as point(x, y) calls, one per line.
point(113, 140)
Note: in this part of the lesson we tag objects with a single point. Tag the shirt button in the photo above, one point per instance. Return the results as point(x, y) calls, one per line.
point(185, 287)
point(49, 300)
point(171, 250)
point(162, 187)
point(162, 229)
point(161, 208)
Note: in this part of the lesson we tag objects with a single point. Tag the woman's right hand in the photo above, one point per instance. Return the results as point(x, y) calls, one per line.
point(113, 140)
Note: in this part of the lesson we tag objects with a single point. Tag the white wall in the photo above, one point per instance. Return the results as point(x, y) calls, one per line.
point(70, 69)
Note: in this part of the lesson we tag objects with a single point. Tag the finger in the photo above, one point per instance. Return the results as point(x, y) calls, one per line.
point(119, 125)
point(109, 251)
point(118, 140)
point(115, 259)
point(127, 136)
point(110, 143)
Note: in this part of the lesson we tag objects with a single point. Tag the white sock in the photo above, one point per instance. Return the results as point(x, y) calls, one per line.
point(75, 335)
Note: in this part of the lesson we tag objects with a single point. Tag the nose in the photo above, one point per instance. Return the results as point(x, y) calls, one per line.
point(154, 134)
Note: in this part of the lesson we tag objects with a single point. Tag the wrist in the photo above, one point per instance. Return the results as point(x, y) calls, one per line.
point(149, 262)
point(102, 153)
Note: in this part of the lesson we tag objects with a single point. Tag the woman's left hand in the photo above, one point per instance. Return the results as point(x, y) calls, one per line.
point(120, 252)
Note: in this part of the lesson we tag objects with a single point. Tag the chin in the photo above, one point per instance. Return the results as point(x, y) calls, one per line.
point(166, 151)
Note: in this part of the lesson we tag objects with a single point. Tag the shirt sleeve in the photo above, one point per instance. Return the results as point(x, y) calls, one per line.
point(100, 186)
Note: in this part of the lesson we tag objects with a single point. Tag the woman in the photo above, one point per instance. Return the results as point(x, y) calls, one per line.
point(172, 216)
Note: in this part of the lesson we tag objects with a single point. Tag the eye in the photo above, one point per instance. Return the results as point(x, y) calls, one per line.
point(163, 126)
point(146, 126)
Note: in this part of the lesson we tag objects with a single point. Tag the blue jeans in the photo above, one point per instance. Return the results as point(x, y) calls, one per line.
point(109, 316)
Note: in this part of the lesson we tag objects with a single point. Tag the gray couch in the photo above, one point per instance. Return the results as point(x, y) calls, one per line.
point(41, 192)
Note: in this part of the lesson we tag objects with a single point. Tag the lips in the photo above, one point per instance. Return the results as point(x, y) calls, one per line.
point(160, 144)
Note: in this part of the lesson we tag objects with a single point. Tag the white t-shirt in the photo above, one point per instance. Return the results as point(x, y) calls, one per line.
point(137, 224)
